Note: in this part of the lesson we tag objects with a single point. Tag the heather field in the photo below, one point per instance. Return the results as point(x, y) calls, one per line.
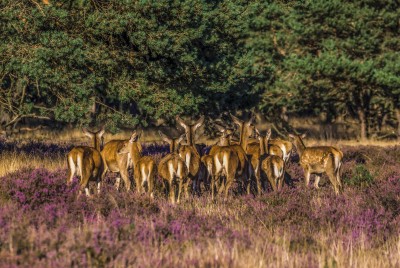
point(44, 223)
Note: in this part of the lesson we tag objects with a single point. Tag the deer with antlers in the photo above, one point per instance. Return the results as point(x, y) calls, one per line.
point(87, 162)
point(318, 160)
point(143, 166)
point(189, 152)
point(172, 168)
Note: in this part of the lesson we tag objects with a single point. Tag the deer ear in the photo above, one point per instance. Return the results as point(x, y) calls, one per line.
point(100, 133)
point(268, 135)
point(181, 138)
point(303, 136)
point(199, 122)
point(220, 129)
point(134, 137)
point(87, 133)
point(164, 137)
point(180, 122)
point(252, 119)
point(291, 136)
point(236, 120)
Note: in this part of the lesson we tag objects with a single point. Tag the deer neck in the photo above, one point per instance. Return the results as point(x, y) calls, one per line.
point(262, 147)
point(134, 152)
point(224, 141)
point(96, 143)
point(189, 138)
point(243, 139)
point(300, 147)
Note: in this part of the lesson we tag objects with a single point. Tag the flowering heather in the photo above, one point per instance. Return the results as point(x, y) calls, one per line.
point(44, 223)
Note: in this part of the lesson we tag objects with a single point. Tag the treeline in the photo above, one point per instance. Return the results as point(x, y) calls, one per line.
point(126, 62)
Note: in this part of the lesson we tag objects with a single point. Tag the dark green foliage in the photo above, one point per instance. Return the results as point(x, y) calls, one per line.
point(124, 62)
point(361, 177)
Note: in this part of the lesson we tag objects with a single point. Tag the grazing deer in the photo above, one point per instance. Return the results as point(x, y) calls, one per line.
point(189, 152)
point(317, 160)
point(86, 162)
point(270, 165)
point(172, 168)
point(143, 166)
point(225, 162)
point(119, 163)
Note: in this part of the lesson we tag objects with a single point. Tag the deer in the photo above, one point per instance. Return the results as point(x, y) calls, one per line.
point(86, 162)
point(173, 170)
point(272, 166)
point(120, 162)
point(284, 146)
point(317, 160)
point(143, 166)
point(225, 162)
point(189, 152)
point(205, 171)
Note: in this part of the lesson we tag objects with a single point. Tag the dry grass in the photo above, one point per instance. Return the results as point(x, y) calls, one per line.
point(75, 136)
point(13, 161)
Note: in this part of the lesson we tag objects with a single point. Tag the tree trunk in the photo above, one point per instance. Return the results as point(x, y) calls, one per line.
point(363, 124)
point(397, 110)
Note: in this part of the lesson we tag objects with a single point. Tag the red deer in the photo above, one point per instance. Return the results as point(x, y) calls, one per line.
point(86, 162)
point(119, 163)
point(172, 168)
point(189, 152)
point(225, 162)
point(272, 166)
point(143, 166)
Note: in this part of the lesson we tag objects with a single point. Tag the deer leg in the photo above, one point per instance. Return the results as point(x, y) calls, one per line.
point(316, 182)
point(258, 181)
point(332, 178)
point(71, 170)
point(125, 177)
point(98, 187)
point(117, 182)
point(186, 187)
point(272, 181)
point(307, 177)
point(180, 186)
point(338, 180)
point(281, 180)
point(171, 191)
point(229, 180)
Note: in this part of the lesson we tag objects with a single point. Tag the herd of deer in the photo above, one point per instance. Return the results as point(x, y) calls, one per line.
point(249, 161)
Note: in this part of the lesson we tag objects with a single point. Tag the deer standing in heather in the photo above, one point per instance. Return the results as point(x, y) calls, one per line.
point(245, 166)
point(172, 168)
point(143, 166)
point(119, 163)
point(272, 166)
point(86, 162)
point(189, 152)
point(318, 160)
point(225, 162)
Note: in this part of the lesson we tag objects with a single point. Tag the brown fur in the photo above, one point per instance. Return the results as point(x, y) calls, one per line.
point(143, 166)
point(189, 152)
point(319, 159)
point(172, 168)
point(225, 162)
point(267, 165)
point(86, 162)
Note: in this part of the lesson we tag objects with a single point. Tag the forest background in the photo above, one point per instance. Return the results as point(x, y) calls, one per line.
point(122, 63)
